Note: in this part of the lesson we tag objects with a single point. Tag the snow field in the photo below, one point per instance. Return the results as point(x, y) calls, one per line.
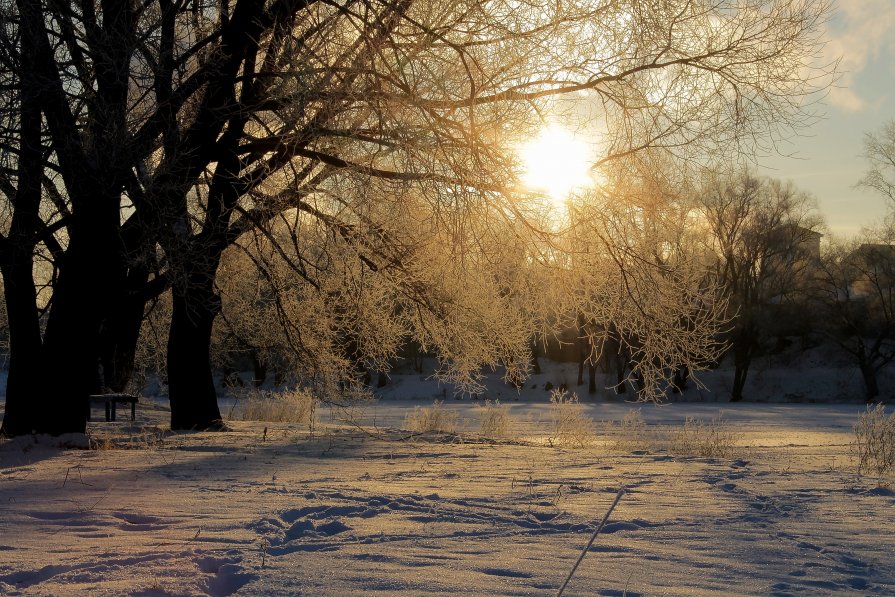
point(355, 509)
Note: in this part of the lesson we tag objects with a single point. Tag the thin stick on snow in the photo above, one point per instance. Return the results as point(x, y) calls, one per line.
point(593, 538)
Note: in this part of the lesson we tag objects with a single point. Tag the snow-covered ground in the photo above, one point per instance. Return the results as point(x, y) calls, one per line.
point(361, 506)
point(358, 508)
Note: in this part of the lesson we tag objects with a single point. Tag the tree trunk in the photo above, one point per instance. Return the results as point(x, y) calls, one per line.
point(740, 371)
point(871, 384)
point(91, 269)
point(582, 357)
point(679, 380)
point(22, 411)
point(91, 281)
point(260, 369)
point(622, 361)
point(121, 332)
point(617, 358)
point(584, 348)
point(535, 365)
point(592, 378)
point(193, 397)
point(743, 348)
point(87, 285)
point(620, 385)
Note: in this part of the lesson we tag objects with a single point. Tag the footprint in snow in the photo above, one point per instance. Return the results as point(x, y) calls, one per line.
point(505, 572)
point(227, 576)
point(306, 528)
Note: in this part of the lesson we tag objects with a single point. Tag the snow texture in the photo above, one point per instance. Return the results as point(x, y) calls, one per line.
point(361, 508)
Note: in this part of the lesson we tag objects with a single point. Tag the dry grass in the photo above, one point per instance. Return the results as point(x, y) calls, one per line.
point(712, 439)
point(133, 437)
point(569, 425)
point(294, 406)
point(494, 420)
point(433, 418)
point(874, 445)
point(101, 443)
point(630, 434)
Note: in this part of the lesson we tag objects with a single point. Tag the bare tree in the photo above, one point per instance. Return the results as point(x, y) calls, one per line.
point(879, 149)
point(764, 234)
point(640, 278)
point(856, 290)
point(856, 296)
point(210, 119)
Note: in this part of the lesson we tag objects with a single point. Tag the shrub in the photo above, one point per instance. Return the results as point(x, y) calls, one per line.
point(434, 418)
point(569, 425)
point(294, 406)
point(714, 439)
point(874, 445)
point(630, 433)
point(494, 419)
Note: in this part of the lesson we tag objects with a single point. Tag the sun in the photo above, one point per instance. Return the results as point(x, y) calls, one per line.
point(557, 162)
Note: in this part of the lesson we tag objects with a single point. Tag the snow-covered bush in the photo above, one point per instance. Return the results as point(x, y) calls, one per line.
point(874, 445)
point(432, 418)
point(569, 425)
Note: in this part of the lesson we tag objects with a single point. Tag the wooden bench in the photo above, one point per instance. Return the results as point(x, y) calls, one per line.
point(111, 401)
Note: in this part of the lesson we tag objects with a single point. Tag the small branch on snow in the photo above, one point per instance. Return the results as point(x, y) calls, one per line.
point(593, 538)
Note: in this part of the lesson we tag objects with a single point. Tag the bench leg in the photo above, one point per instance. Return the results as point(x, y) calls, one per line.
point(110, 414)
point(134, 410)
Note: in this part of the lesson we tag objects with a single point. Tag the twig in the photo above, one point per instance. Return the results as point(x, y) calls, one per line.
point(80, 478)
point(593, 538)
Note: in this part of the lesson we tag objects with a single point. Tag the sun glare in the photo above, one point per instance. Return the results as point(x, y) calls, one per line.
point(557, 163)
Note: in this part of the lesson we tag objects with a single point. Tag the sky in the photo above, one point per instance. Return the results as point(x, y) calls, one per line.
point(828, 158)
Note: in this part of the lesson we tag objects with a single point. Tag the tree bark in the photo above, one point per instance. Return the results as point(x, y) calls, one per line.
point(743, 348)
point(620, 368)
point(192, 393)
point(121, 332)
point(22, 412)
point(591, 377)
point(871, 384)
point(87, 285)
point(583, 349)
point(679, 380)
point(739, 382)
point(260, 369)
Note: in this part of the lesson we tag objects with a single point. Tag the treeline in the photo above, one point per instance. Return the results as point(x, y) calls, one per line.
point(355, 160)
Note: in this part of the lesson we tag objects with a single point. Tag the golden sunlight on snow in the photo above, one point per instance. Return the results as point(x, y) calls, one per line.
point(557, 162)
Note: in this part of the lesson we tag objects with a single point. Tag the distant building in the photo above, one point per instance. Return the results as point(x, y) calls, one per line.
point(798, 247)
point(876, 255)
point(809, 242)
